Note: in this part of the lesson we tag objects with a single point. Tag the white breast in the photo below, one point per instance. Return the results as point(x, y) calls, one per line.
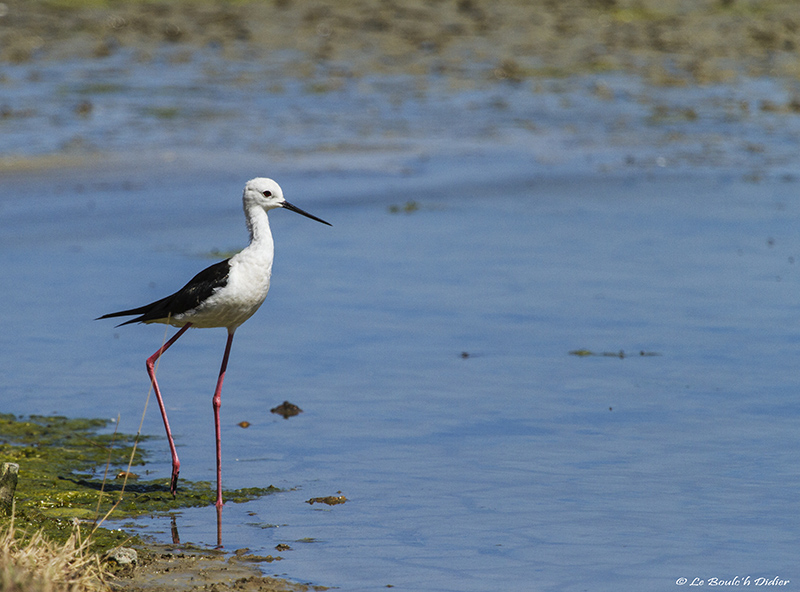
point(248, 280)
point(234, 303)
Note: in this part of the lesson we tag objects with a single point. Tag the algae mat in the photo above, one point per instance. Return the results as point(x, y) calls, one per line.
point(74, 470)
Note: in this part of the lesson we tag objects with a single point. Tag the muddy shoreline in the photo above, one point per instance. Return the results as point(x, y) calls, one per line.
point(62, 462)
point(665, 41)
point(192, 569)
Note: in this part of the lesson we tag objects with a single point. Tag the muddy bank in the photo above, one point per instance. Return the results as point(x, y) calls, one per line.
point(189, 570)
point(666, 41)
point(90, 78)
point(64, 484)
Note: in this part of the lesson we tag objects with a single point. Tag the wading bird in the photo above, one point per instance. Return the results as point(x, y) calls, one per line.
point(223, 295)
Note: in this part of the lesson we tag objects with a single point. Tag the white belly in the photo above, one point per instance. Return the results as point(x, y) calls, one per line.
point(234, 303)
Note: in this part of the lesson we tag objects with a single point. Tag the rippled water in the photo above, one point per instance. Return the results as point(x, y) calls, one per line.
point(430, 349)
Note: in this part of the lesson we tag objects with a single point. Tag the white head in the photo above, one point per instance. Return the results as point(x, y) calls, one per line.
point(263, 192)
point(267, 194)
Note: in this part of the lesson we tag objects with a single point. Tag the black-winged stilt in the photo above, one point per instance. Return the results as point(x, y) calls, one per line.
point(223, 295)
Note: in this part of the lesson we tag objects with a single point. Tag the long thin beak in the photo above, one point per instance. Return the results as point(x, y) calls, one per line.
point(289, 206)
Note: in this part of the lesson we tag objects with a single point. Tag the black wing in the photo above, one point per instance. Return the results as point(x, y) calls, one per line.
point(198, 289)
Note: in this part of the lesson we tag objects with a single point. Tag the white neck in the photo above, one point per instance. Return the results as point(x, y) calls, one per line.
point(258, 226)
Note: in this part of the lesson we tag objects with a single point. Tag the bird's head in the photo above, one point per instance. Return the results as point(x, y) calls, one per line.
point(267, 194)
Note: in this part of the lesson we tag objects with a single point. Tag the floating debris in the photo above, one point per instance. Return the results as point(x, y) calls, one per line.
point(287, 409)
point(620, 354)
point(407, 208)
point(331, 500)
point(581, 352)
point(245, 555)
point(243, 424)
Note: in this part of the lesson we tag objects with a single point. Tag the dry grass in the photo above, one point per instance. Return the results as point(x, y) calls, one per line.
point(31, 563)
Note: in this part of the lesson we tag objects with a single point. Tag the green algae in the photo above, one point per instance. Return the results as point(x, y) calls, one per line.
point(67, 475)
point(621, 354)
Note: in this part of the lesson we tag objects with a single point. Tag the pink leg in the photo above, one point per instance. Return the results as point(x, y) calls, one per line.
point(219, 527)
point(217, 402)
point(176, 464)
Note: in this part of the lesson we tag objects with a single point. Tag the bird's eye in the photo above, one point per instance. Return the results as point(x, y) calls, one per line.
point(267, 193)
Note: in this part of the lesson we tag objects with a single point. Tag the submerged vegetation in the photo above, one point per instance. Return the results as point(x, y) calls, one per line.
point(67, 487)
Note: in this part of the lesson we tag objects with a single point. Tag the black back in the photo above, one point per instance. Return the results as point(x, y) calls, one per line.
point(198, 289)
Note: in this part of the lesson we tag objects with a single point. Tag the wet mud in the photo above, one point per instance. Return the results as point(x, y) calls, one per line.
point(666, 41)
point(192, 569)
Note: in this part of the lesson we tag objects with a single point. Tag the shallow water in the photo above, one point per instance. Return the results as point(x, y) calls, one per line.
point(515, 467)
point(169, 104)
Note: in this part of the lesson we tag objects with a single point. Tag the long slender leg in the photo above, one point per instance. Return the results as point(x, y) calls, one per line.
point(219, 527)
point(217, 402)
point(176, 464)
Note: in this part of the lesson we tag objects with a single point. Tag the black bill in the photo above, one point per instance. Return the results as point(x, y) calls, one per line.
point(289, 206)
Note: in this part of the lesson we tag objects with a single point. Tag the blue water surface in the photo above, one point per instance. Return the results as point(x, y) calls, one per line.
point(427, 335)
